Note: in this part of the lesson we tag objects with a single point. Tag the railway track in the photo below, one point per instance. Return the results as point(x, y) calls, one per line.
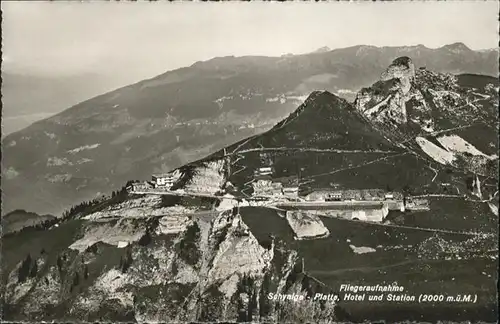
point(425, 229)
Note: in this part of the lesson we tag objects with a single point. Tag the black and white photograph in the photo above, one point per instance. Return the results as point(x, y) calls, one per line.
point(249, 162)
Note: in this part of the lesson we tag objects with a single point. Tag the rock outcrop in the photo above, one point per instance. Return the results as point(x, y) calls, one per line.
point(401, 69)
point(388, 97)
point(409, 103)
point(306, 225)
point(207, 177)
point(170, 270)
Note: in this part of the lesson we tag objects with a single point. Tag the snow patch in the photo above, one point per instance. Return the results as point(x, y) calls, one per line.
point(85, 147)
point(122, 244)
point(455, 143)
point(493, 208)
point(361, 249)
point(55, 161)
point(124, 232)
point(435, 152)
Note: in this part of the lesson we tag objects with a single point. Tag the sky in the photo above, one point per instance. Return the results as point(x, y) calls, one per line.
point(130, 41)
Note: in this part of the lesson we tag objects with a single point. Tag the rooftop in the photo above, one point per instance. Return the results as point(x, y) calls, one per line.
point(290, 181)
point(162, 175)
point(263, 177)
point(337, 190)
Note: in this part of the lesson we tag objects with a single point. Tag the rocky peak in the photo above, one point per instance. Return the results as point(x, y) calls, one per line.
point(323, 121)
point(456, 47)
point(324, 104)
point(422, 100)
point(401, 69)
point(386, 99)
point(317, 95)
point(318, 100)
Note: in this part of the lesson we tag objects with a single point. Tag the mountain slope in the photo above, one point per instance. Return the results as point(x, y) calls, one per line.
point(182, 115)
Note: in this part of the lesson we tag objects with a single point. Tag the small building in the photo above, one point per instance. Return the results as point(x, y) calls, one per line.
point(412, 203)
point(163, 180)
point(262, 184)
point(264, 171)
point(290, 185)
point(263, 177)
point(330, 194)
point(290, 181)
point(276, 189)
point(291, 191)
point(319, 194)
point(389, 196)
point(139, 186)
point(333, 197)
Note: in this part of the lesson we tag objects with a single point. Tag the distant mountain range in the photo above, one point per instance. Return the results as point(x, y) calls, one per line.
point(182, 115)
point(19, 219)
